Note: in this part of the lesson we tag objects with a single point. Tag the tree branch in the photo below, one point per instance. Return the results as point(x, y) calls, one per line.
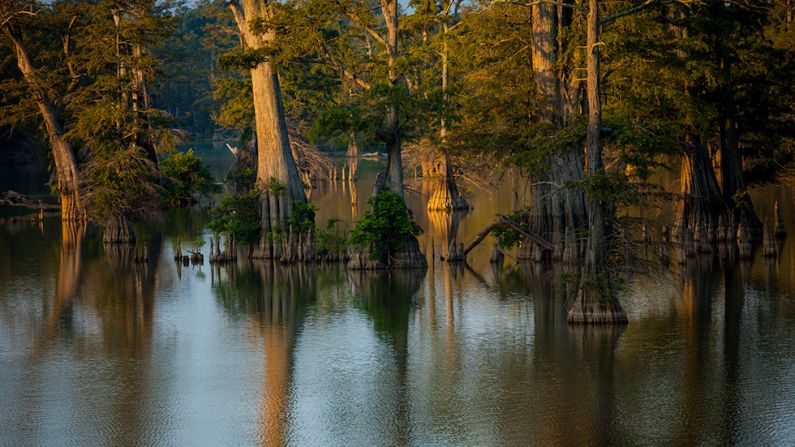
point(626, 12)
point(356, 21)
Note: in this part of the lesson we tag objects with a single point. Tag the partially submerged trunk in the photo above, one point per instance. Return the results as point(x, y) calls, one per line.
point(353, 146)
point(63, 155)
point(735, 190)
point(556, 212)
point(277, 174)
point(596, 302)
point(702, 214)
point(391, 179)
point(446, 196)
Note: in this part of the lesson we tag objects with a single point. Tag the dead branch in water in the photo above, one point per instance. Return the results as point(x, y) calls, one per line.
point(13, 198)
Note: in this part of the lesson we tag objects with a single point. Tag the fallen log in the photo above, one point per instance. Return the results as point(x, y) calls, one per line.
point(13, 198)
point(501, 222)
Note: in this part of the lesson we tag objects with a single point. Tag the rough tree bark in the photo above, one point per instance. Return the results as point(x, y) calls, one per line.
point(735, 190)
point(391, 179)
point(63, 155)
point(275, 162)
point(596, 302)
point(556, 212)
point(702, 213)
point(446, 196)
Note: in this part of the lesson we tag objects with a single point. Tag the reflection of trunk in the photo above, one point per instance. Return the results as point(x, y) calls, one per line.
point(275, 162)
point(556, 212)
point(67, 286)
point(118, 230)
point(283, 305)
point(596, 300)
point(387, 300)
point(63, 155)
point(444, 228)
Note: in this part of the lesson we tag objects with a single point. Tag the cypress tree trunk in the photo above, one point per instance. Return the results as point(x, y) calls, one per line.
point(446, 196)
point(555, 212)
point(701, 210)
point(596, 302)
point(64, 158)
point(277, 174)
point(391, 179)
point(735, 190)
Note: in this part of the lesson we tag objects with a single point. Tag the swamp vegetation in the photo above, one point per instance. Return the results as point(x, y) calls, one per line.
point(586, 109)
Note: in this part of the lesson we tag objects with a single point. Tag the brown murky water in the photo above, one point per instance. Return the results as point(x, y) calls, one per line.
point(95, 350)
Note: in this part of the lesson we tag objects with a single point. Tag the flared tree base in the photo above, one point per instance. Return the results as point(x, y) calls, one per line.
point(294, 246)
point(408, 257)
point(589, 309)
point(447, 198)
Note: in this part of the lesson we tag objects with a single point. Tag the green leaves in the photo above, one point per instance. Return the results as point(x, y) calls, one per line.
point(237, 215)
point(385, 226)
point(186, 175)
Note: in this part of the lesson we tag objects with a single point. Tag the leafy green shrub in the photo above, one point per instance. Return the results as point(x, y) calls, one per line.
point(302, 217)
point(508, 237)
point(119, 181)
point(237, 215)
point(186, 175)
point(385, 227)
point(243, 178)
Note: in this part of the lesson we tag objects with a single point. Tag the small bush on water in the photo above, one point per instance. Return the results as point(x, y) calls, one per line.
point(186, 175)
point(237, 215)
point(385, 227)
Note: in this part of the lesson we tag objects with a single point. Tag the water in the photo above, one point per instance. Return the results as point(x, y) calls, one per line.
point(95, 350)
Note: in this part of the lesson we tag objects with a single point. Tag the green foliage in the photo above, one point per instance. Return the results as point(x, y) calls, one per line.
point(332, 238)
point(237, 215)
point(244, 178)
point(275, 187)
point(302, 217)
point(508, 237)
point(606, 286)
point(186, 175)
point(385, 227)
point(120, 182)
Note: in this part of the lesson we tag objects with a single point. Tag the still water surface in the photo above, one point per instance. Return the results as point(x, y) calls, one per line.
point(95, 350)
